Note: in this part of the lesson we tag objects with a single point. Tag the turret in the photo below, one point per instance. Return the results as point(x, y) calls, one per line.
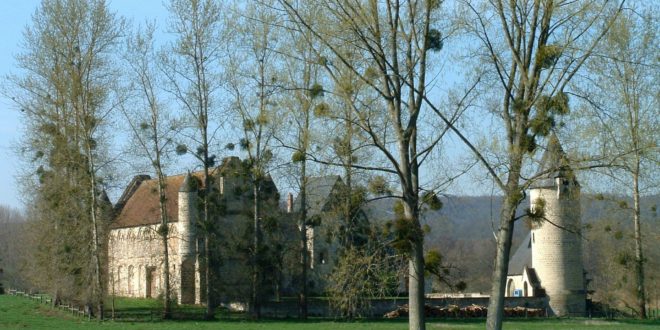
point(187, 253)
point(556, 244)
point(187, 215)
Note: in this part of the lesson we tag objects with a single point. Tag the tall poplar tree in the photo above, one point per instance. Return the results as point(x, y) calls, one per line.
point(303, 94)
point(153, 130)
point(395, 40)
point(191, 67)
point(624, 97)
point(63, 91)
point(252, 84)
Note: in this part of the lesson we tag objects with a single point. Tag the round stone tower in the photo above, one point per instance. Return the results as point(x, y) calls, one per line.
point(187, 216)
point(556, 243)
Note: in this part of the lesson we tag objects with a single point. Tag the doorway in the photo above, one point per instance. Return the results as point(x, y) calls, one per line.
point(152, 282)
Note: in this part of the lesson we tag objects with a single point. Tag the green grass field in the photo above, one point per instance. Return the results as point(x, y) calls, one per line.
point(22, 313)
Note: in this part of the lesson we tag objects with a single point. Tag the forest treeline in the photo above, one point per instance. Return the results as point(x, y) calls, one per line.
point(402, 98)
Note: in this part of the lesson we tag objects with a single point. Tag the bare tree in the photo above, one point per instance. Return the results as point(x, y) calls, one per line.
point(153, 131)
point(192, 72)
point(622, 93)
point(252, 84)
point(532, 50)
point(302, 95)
point(392, 41)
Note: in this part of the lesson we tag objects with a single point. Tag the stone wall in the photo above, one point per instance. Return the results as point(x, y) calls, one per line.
point(520, 282)
point(135, 258)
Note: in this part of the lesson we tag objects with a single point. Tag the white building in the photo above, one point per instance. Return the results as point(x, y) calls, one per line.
point(549, 260)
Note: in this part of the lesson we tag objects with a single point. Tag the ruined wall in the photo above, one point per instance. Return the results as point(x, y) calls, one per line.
point(135, 258)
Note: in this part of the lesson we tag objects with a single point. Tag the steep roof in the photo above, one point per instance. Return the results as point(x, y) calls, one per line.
point(128, 192)
point(139, 204)
point(554, 164)
point(142, 206)
point(319, 193)
point(522, 258)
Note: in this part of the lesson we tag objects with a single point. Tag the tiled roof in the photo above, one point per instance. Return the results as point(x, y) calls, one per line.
point(142, 206)
point(139, 205)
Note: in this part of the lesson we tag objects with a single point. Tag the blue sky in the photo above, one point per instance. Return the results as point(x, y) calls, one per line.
point(14, 16)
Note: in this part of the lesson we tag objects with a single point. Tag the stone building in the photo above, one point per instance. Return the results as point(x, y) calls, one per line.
point(549, 260)
point(322, 200)
point(135, 249)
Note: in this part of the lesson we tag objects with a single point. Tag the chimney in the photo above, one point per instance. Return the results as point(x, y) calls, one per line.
point(289, 203)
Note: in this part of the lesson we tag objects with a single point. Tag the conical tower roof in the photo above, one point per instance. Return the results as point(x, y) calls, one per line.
point(554, 164)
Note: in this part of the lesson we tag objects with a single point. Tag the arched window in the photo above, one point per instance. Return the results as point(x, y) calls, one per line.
point(140, 281)
point(509, 288)
point(525, 289)
point(118, 288)
point(129, 280)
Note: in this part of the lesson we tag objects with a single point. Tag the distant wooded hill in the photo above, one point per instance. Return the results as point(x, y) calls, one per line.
point(463, 229)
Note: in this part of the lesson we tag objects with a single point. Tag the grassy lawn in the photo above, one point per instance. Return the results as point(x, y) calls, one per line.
point(22, 313)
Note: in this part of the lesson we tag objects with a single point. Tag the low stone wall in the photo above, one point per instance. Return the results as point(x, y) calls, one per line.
point(321, 307)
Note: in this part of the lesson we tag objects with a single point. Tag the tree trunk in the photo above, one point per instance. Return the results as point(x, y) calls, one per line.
point(350, 221)
point(209, 315)
point(112, 306)
point(504, 238)
point(639, 257)
point(98, 285)
point(416, 317)
point(255, 308)
point(416, 287)
point(304, 256)
point(164, 232)
point(207, 277)
point(167, 310)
